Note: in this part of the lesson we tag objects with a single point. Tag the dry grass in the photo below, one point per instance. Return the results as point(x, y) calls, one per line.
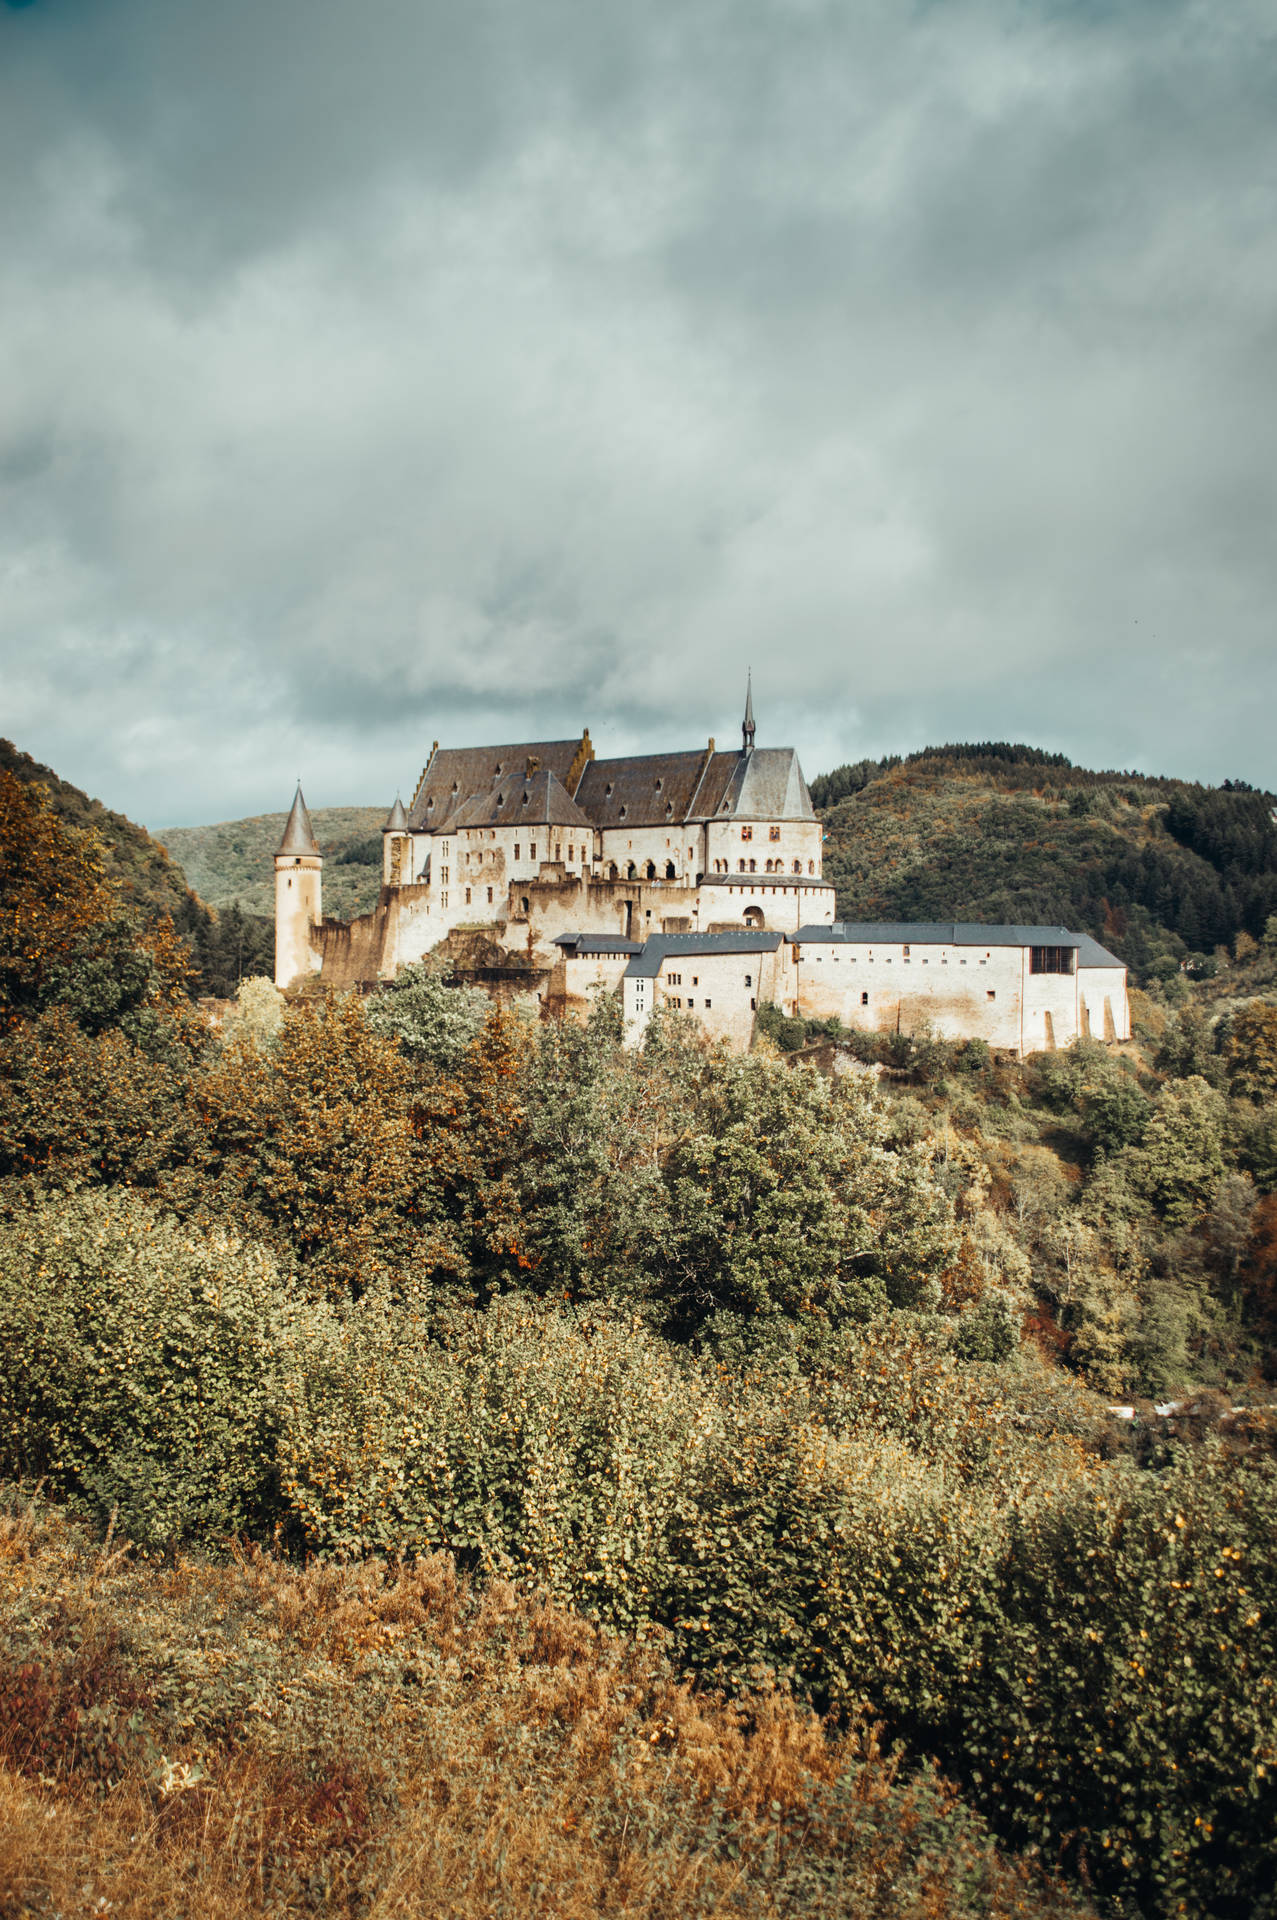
point(253, 1738)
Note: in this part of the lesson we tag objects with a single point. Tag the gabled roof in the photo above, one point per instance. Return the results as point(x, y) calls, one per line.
point(454, 775)
point(299, 835)
point(539, 802)
point(954, 933)
point(691, 946)
point(648, 790)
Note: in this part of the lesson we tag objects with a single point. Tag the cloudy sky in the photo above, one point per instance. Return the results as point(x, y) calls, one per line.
point(476, 369)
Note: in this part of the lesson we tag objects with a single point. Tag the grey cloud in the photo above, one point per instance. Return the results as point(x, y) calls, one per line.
point(374, 374)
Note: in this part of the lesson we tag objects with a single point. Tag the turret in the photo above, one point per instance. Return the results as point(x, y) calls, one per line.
point(394, 845)
point(747, 727)
point(298, 906)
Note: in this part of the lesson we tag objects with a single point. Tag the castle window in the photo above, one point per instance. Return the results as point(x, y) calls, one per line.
point(670, 873)
point(624, 810)
point(489, 896)
point(905, 951)
point(811, 866)
point(558, 853)
point(798, 866)
point(742, 866)
point(864, 999)
point(525, 903)
point(709, 1003)
point(753, 865)
point(659, 784)
point(696, 979)
point(773, 833)
point(572, 852)
point(753, 1006)
point(467, 896)
point(608, 794)
point(749, 979)
point(532, 851)
point(691, 1003)
point(747, 833)
point(1051, 959)
point(516, 850)
point(991, 994)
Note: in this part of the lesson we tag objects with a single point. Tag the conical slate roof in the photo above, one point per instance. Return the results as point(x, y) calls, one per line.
point(396, 819)
point(299, 835)
point(747, 727)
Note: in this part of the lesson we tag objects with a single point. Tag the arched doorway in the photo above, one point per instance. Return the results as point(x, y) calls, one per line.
point(753, 916)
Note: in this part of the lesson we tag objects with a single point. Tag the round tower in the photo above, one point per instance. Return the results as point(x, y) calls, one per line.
point(394, 846)
point(298, 906)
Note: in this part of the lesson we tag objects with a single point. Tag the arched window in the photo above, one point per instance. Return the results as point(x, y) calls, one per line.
point(798, 866)
point(630, 873)
point(811, 866)
point(753, 916)
point(649, 871)
point(670, 873)
point(753, 866)
point(613, 872)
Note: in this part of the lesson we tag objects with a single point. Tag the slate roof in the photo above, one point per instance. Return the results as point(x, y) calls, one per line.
point(769, 880)
point(597, 943)
point(672, 946)
point(956, 933)
point(396, 819)
point(539, 802)
point(649, 790)
point(454, 775)
point(299, 835)
point(644, 790)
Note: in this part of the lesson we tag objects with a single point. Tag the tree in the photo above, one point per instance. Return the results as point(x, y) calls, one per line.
point(1182, 1157)
point(1250, 1051)
point(782, 1197)
point(311, 1143)
point(432, 1021)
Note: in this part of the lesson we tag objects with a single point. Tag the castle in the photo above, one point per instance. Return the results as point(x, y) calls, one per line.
point(692, 880)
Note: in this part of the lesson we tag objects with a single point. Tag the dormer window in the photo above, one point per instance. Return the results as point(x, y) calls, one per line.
point(500, 770)
point(624, 811)
point(526, 796)
point(500, 799)
point(659, 784)
point(608, 794)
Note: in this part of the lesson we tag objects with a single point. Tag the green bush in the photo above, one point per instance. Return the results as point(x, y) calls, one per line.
point(1121, 1714)
point(545, 1445)
point(140, 1365)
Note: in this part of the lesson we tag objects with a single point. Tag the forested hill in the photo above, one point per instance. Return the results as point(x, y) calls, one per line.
point(1158, 869)
point(234, 861)
point(224, 947)
point(139, 866)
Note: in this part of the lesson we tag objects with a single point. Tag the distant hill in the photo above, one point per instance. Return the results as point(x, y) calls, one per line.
point(234, 861)
point(1160, 870)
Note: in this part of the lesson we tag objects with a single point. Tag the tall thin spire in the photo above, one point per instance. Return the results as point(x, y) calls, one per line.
point(747, 729)
point(299, 835)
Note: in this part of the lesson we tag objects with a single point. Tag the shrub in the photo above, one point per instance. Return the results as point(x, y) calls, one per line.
point(1121, 1713)
point(140, 1364)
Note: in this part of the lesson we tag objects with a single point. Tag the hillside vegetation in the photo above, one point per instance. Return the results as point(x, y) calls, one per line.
point(233, 863)
point(1160, 871)
point(148, 886)
point(490, 1405)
